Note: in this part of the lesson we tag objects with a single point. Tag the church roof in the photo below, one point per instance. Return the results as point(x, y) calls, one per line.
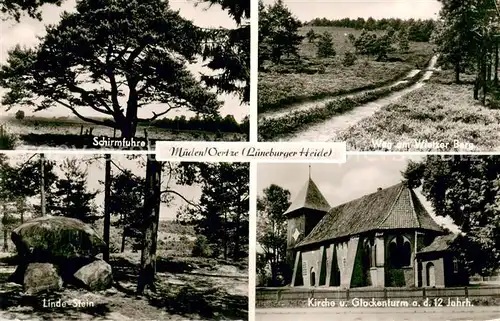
point(309, 197)
point(395, 207)
point(440, 243)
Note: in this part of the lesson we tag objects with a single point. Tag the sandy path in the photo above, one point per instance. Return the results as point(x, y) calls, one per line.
point(328, 130)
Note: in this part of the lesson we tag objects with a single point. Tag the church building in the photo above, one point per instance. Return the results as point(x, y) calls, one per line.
point(383, 239)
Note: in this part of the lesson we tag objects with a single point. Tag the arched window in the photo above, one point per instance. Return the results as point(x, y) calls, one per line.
point(370, 252)
point(400, 252)
point(313, 277)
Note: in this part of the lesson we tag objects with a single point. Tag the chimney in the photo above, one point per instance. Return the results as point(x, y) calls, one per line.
point(379, 189)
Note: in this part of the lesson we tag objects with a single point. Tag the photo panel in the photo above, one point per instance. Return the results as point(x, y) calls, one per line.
point(115, 237)
point(395, 75)
point(122, 75)
point(379, 238)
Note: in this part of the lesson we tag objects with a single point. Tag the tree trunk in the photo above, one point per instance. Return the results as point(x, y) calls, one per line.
point(42, 184)
point(5, 239)
point(484, 81)
point(237, 229)
point(457, 72)
point(130, 126)
point(495, 77)
point(225, 235)
point(123, 234)
point(5, 229)
point(129, 129)
point(152, 216)
point(107, 206)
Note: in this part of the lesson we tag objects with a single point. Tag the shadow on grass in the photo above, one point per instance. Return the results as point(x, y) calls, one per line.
point(189, 300)
point(208, 303)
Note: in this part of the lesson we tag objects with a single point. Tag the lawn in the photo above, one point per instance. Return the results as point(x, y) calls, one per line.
point(316, 78)
point(440, 112)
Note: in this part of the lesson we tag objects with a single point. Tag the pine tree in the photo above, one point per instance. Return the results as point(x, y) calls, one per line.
point(135, 52)
point(71, 197)
point(279, 34)
point(325, 46)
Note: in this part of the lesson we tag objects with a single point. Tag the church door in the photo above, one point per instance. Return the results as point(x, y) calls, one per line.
point(431, 276)
point(419, 274)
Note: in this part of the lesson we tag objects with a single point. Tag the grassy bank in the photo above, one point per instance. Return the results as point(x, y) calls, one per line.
point(277, 91)
point(439, 112)
point(271, 129)
point(315, 78)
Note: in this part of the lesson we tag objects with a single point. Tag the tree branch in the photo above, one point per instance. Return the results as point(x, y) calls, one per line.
point(114, 85)
point(87, 119)
point(87, 97)
point(157, 115)
point(181, 196)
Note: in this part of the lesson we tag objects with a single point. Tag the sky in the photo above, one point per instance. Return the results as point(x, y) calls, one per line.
point(96, 173)
point(337, 9)
point(27, 31)
point(341, 183)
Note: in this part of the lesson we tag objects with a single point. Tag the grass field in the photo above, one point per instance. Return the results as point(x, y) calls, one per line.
point(188, 288)
point(438, 112)
point(64, 131)
point(318, 78)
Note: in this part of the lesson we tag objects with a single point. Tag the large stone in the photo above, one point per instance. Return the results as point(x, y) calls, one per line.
point(56, 239)
point(40, 277)
point(96, 276)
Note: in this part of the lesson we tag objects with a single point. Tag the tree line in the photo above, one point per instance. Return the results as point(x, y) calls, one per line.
point(215, 123)
point(419, 30)
point(39, 187)
point(280, 37)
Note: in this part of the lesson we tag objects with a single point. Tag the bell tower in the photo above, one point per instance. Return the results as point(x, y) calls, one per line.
point(307, 209)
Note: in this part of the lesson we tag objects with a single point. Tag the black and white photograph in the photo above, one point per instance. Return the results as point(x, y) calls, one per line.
point(114, 237)
point(120, 74)
point(379, 238)
point(396, 75)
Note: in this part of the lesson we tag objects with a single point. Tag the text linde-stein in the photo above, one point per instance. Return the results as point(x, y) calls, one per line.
point(250, 152)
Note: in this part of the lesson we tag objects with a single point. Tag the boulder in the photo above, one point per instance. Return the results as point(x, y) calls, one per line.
point(55, 239)
point(40, 277)
point(95, 276)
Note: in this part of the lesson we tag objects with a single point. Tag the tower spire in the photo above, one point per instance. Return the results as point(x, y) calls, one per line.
point(309, 171)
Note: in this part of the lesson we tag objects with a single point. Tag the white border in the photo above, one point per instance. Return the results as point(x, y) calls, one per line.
point(254, 73)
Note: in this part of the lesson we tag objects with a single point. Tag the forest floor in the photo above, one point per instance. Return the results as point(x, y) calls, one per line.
point(187, 288)
point(65, 131)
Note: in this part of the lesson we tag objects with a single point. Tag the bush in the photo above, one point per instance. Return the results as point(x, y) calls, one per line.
point(349, 59)
point(311, 35)
point(20, 115)
point(201, 248)
point(325, 46)
point(7, 141)
point(403, 42)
